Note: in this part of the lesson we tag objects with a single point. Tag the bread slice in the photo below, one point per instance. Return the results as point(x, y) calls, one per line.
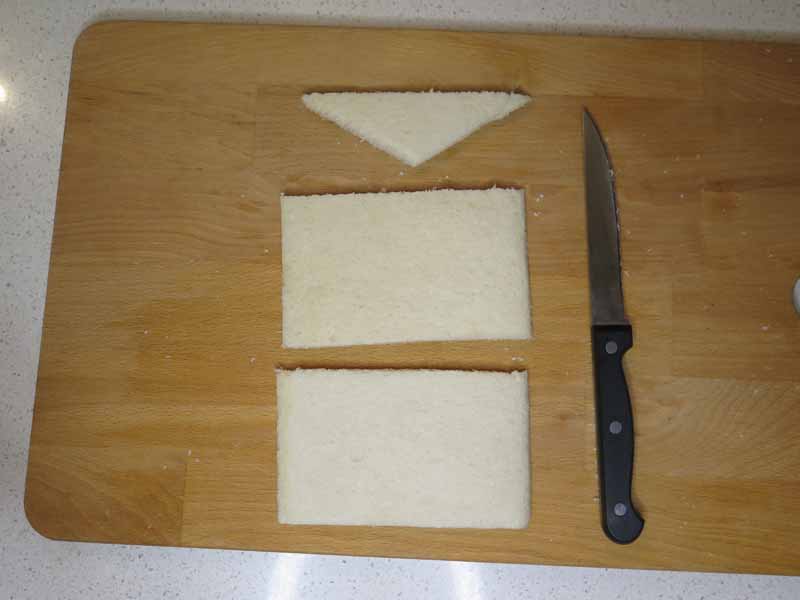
point(417, 448)
point(397, 267)
point(413, 126)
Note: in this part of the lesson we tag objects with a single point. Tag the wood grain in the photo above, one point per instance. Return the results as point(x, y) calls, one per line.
point(155, 415)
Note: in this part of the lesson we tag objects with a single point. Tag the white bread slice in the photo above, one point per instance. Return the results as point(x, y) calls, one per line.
point(413, 126)
point(414, 448)
point(403, 267)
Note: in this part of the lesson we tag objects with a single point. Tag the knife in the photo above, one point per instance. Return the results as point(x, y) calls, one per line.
point(612, 336)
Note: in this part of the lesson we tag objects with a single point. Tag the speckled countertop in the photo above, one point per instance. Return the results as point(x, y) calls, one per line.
point(36, 38)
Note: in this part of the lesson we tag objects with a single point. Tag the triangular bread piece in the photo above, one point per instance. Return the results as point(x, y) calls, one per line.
point(413, 126)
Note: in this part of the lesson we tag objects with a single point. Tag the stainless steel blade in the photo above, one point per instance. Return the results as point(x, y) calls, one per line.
point(605, 277)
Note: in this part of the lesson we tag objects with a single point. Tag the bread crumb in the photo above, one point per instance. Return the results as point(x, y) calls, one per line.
point(765, 328)
point(189, 452)
point(252, 359)
point(146, 332)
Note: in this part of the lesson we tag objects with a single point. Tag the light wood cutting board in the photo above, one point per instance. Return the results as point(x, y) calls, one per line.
point(155, 409)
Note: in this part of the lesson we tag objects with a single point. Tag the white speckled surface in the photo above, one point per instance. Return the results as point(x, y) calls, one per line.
point(36, 38)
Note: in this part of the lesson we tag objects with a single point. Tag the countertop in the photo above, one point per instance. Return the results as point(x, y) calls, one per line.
point(36, 39)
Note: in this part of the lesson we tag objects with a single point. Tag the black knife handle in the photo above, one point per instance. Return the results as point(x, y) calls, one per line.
point(621, 521)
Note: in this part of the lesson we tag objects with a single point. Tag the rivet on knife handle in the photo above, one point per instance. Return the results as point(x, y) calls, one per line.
point(612, 336)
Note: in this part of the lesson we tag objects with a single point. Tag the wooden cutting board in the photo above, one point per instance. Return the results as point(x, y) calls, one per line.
point(155, 409)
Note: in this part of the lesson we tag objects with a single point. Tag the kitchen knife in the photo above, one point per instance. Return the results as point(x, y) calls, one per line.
point(612, 336)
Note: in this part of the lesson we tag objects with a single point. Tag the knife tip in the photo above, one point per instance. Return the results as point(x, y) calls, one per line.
point(587, 118)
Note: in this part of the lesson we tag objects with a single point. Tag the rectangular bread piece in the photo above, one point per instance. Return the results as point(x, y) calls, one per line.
point(395, 267)
point(418, 448)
